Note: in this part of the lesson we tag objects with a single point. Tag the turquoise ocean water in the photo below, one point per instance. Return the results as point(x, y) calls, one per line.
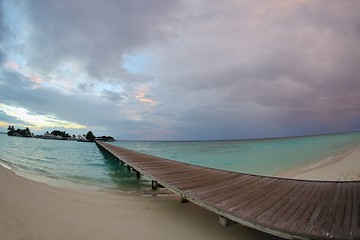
point(85, 163)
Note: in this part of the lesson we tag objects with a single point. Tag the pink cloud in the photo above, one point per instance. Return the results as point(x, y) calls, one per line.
point(141, 97)
point(12, 65)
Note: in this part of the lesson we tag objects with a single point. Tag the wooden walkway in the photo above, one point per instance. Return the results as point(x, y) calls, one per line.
point(292, 209)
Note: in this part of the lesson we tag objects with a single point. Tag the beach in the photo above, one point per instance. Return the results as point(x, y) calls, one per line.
point(342, 167)
point(34, 210)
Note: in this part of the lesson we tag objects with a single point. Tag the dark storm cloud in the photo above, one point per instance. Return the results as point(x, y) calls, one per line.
point(96, 33)
point(286, 68)
point(2, 27)
point(3, 31)
point(219, 69)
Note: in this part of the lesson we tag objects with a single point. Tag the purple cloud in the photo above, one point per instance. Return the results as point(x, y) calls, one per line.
point(218, 70)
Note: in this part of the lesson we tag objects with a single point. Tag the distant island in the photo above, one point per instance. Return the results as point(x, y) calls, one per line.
point(19, 132)
point(105, 139)
point(57, 135)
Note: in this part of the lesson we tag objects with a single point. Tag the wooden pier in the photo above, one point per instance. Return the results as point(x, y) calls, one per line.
point(288, 208)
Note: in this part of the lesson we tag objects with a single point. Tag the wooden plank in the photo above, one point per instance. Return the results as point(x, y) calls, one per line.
point(279, 209)
point(310, 210)
point(245, 204)
point(164, 171)
point(262, 203)
point(181, 176)
point(194, 179)
point(221, 183)
point(290, 212)
point(210, 197)
point(237, 191)
point(257, 206)
point(154, 164)
point(355, 218)
point(307, 211)
point(329, 221)
point(267, 210)
point(347, 213)
point(339, 213)
point(209, 180)
point(241, 206)
point(326, 204)
point(239, 196)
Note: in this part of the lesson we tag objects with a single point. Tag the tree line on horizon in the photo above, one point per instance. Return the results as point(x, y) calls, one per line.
point(19, 132)
point(89, 136)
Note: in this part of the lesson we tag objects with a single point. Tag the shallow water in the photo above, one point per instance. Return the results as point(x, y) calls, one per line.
point(265, 157)
point(85, 163)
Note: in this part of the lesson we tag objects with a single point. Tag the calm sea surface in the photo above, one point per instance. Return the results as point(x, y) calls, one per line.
point(85, 163)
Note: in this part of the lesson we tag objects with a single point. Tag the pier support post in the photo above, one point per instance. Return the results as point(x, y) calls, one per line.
point(128, 168)
point(225, 222)
point(154, 184)
point(121, 162)
point(183, 200)
point(137, 174)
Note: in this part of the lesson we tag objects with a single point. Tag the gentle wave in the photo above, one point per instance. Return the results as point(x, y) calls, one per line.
point(5, 164)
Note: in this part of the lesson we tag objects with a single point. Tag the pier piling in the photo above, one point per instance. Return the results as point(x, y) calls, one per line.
point(154, 185)
point(225, 222)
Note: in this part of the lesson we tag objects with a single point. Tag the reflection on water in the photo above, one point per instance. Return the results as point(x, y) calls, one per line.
point(123, 179)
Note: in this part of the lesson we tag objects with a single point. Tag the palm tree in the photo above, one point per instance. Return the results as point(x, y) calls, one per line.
point(27, 131)
point(90, 136)
point(11, 130)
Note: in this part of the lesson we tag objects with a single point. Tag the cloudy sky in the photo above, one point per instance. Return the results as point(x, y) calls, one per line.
point(191, 69)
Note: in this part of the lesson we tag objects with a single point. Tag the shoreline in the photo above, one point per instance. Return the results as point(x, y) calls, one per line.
point(344, 166)
point(48, 180)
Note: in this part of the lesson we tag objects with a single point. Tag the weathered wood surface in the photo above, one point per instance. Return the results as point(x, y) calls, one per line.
point(287, 208)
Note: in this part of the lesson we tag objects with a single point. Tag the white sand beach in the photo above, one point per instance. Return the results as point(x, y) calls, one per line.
point(342, 167)
point(36, 211)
